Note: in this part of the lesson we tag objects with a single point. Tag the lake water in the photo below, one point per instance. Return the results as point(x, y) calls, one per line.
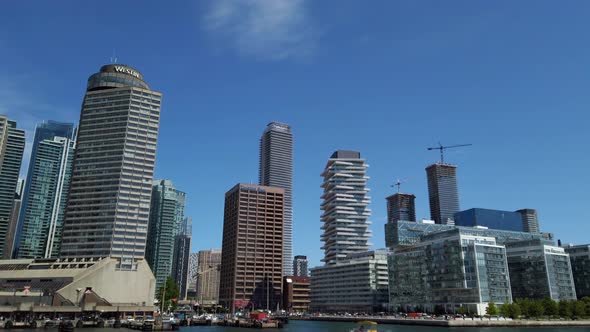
point(312, 326)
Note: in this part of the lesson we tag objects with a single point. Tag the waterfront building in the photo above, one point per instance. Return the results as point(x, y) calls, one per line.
point(530, 221)
point(448, 270)
point(74, 285)
point(252, 250)
point(580, 261)
point(208, 275)
point(404, 233)
point(12, 145)
point(296, 294)
point(443, 193)
point(345, 212)
point(46, 192)
point(193, 266)
point(401, 207)
point(539, 269)
point(493, 219)
point(276, 170)
point(108, 207)
point(358, 283)
point(166, 221)
point(300, 266)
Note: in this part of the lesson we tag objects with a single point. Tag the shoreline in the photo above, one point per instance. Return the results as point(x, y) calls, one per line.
point(458, 323)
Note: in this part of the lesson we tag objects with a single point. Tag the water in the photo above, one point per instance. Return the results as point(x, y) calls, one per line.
point(312, 326)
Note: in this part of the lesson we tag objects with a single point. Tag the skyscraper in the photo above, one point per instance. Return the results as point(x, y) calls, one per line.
point(45, 199)
point(252, 250)
point(442, 192)
point(276, 170)
point(401, 207)
point(45, 194)
point(109, 201)
point(193, 266)
point(345, 201)
point(208, 275)
point(530, 221)
point(182, 250)
point(300, 266)
point(12, 145)
point(166, 222)
point(16, 205)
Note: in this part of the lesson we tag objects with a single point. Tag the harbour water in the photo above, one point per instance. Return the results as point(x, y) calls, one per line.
point(312, 326)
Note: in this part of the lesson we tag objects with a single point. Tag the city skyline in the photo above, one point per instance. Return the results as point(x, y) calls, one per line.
point(436, 73)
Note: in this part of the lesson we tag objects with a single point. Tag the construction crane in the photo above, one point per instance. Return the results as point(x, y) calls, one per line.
point(398, 184)
point(443, 148)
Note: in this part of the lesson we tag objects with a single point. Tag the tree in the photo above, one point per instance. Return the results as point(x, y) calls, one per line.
point(579, 309)
point(565, 309)
point(170, 292)
point(550, 307)
point(505, 310)
point(524, 305)
point(515, 311)
point(536, 309)
point(462, 310)
point(492, 310)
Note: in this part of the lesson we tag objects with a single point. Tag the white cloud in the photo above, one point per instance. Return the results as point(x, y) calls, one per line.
point(264, 29)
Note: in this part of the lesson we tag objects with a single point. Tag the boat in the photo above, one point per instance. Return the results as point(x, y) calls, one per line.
point(366, 326)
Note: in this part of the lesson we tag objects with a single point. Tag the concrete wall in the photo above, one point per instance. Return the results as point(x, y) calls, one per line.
point(118, 287)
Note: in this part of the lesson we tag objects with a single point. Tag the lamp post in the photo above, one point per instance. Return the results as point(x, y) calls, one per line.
point(199, 289)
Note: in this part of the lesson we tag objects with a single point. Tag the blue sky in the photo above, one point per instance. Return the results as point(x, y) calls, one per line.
point(387, 78)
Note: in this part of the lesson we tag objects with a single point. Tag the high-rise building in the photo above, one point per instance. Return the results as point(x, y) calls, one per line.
point(300, 266)
point(530, 222)
point(182, 250)
point(276, 170)
point(10, 237)
point(345, 200)
point(358, 283)
point(494, 219)
point(166, 223)
point(48, 180)
point(443, 193)
point(43, 209)
point(252, 251)
point(296, 294)
point(12, 145)
point(193, 266)
point(208, 275)
point(539, 269)
point(108, 205)
point(448, 270)
point(401, 207)
point(580, 261)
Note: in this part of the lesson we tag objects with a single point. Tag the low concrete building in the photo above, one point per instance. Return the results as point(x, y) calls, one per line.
point(358, 283)
point(580, 261)
point(539, 269)
point(75, 284)
point(296, 294)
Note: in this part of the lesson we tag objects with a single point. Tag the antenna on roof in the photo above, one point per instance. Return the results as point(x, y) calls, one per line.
point(114, 57)
point(398, 184)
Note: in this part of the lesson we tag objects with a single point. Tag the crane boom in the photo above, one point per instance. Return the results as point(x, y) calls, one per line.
point(442, 148)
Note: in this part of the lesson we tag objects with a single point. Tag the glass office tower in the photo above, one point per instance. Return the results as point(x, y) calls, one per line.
point(45, 198)
point(276, 170)
point(109, 201)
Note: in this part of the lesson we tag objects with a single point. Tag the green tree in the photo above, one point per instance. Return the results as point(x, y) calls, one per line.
point(505, 310)
point(536, 309)
point(579, 308)
point(565, 309)
point(515, 311)
point(462, 310)
point(550, 307)
point(492, 310)
point(524, 305)
point(170, 293)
